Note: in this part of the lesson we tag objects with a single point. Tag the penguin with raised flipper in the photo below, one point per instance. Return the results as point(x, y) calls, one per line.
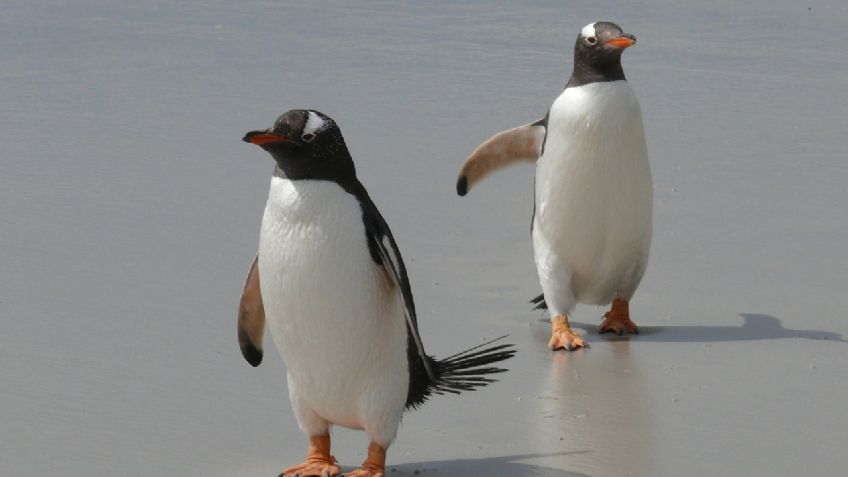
point(593, 192)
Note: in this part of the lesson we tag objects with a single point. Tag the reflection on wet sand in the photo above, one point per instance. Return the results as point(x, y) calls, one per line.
point(597, 399)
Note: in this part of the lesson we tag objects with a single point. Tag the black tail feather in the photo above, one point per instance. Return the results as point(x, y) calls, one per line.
point(468, 355)
point(465, 371)
point(540, 302)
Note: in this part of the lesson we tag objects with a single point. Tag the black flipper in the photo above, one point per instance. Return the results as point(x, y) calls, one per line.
point(385, 252)
point(463, 371)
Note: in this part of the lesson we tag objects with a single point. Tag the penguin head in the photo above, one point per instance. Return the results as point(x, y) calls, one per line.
point(597, 52)
point(306, 144)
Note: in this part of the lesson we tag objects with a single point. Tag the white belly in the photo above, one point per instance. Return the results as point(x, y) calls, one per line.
point(594, 191)
point(335, 318)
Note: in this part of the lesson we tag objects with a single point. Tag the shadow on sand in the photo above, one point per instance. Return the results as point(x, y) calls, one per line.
point(755, 327)
point(503, 466)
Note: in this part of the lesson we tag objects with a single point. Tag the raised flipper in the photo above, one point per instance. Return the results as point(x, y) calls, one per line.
point(251, 317)
point(521, 144)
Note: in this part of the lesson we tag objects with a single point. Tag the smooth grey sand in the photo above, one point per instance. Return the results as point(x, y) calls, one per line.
point(130, 210)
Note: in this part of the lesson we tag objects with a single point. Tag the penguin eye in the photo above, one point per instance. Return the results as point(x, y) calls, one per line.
point(308, 137)
point(591, 40)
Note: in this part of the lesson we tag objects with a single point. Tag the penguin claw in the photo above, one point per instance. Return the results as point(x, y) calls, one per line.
point(617, 324)
point(618, 327)
point(563, 337)
point(617, 320)
point(313, 468)
point(365, 472)
point(567, 340)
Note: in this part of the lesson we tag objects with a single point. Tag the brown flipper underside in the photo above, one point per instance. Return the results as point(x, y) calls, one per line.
point(251, 317)
point(521, 144)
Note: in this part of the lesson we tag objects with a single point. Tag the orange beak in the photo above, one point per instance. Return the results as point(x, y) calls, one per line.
point(261, 138)
point(621, 42)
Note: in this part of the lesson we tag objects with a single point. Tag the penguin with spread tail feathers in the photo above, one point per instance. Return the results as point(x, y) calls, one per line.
point(331, 282)
point(593, 199)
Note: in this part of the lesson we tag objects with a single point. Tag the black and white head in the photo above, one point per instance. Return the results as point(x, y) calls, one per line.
point(306, 144)
point(597, 53)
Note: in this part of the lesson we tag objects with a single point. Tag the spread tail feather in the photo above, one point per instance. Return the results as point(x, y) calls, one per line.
point(539, 302)
point(464, 371)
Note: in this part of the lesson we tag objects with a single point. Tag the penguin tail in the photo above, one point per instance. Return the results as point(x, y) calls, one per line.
point(539, 302)
point(472, 368)
point(464, 371)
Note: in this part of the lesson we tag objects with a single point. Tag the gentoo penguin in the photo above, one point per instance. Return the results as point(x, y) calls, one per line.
point(591, 224)
point(332, 283)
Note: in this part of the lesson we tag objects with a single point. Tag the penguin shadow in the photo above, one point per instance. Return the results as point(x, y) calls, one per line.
point(754, 327)
point(501, 466)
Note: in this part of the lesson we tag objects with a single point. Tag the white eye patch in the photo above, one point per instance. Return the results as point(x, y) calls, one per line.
point(588, 31)
point(314, 124)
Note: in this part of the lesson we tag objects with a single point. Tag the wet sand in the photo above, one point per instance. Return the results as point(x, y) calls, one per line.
point(130, 211)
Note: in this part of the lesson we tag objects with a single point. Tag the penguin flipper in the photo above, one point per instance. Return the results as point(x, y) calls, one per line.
point(251, 317)
point(385, 253)
point(521, 144)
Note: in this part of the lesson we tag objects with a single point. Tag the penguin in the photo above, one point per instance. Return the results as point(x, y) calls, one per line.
point(331, 283)
point(593, 193)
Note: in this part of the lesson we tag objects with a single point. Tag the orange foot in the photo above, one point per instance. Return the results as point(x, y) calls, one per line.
point(313, 469)
point(363, 472)
point(374, 465)
point(319, 462)
point(617, 320)
point(562, 337)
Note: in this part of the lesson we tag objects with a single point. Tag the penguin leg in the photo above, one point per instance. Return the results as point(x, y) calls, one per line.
point(374, 465)
point(617, 320)
point(307, 419)
point(381, 424)
point(555, 278)
point(319, 462)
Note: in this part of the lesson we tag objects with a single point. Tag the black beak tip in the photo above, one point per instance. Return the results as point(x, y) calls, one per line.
point(249, 135)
